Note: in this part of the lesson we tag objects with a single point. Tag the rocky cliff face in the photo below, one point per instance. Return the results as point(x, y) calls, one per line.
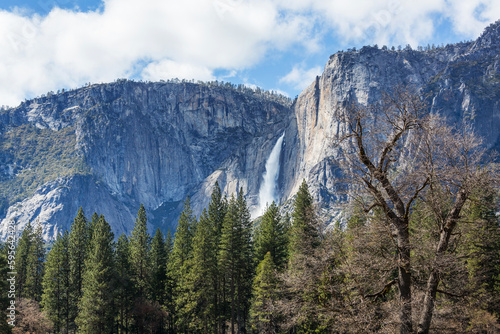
point(110, 147)
point(460, 81)
point(150, 143)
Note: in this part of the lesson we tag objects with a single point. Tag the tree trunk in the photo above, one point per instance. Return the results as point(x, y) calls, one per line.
point(433, 281)
point(404, 278)
point(430, 296)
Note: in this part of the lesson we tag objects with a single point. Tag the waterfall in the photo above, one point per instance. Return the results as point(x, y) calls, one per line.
point(267, 191)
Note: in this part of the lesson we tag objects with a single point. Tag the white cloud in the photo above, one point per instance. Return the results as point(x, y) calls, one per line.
point(300, 78)
point(193, 38)
point(167, 69)
point(471, 16)
point(189, 38)
point(397, 21)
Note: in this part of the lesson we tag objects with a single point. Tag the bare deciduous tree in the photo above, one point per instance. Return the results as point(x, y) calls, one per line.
point(395, 152)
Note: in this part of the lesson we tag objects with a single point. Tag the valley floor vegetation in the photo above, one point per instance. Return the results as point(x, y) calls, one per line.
point(417, 252)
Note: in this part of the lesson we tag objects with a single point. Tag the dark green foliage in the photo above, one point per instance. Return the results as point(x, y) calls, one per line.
point(199, 307)
point(92, 224)
point(266, 293)
point(304, 234)
point(79, 243)
point(181, 249)
point(217, 209)
point(481, 248)
point(22, 254)
point(229, 259)
point(124, 291)
point(5, 287)
point(158, 267)
point(56, 298)
point(169, 284)
point(35, 266)
point(235, 261)
point(178, 265)
point(140, 244)
point(271, 236)
point(97, 311)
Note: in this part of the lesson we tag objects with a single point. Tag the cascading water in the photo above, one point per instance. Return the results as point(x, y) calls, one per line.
point(267, 191)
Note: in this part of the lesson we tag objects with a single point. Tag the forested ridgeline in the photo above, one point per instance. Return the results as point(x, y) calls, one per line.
point(418, 250)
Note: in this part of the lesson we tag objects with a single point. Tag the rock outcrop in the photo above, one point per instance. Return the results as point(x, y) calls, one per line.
point(460, 81)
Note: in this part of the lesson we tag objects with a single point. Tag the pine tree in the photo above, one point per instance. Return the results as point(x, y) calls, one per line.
point(140, 244)
point(169, 284)
point(304, 234)
point(244, 284)
point(92, 224)
point(79, 243)
point(272, 236)
point(56, 284)
point(5, 287)
point(35, 266)
point(199, 304)
point(21, 262)
point(235, 261)
point(96, 307)
point(124, 285)
point(481, 248)
point(217, 209)
point(228, 260)
point(264, 311)
point(302, 271)
point(158, 267)
point(178, 266)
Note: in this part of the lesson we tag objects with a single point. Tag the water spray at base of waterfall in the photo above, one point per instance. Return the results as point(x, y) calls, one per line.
point(267, 191)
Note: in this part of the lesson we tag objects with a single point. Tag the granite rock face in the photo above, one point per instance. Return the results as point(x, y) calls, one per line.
point(150, 143)
point(460, 81)
point(156, 143)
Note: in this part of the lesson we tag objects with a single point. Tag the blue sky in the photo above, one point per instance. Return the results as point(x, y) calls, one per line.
point(46, 45)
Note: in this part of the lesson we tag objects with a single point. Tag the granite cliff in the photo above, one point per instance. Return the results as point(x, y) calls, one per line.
point(460, 81)
point(110, 147)
point(132, 143)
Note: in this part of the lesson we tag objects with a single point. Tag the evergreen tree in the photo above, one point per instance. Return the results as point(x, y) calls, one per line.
point(79, 243)
point(169, 284)
point(140, 244)
point(181, 250)
point(272, 236)
point(264, 314)
point(199, 305)
point(35, 266)
point(158, 267)
point(96, 307)
point(178, 265)
point(304, 234)
point(235, 261)
point(302, 272)
point(92, 225)
point(124, 285)
point(228, 260)
point(217, 209)
point(5, 287)
point(246, 268)
point(481, 248)
point(56, 284)
point(21, 262)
